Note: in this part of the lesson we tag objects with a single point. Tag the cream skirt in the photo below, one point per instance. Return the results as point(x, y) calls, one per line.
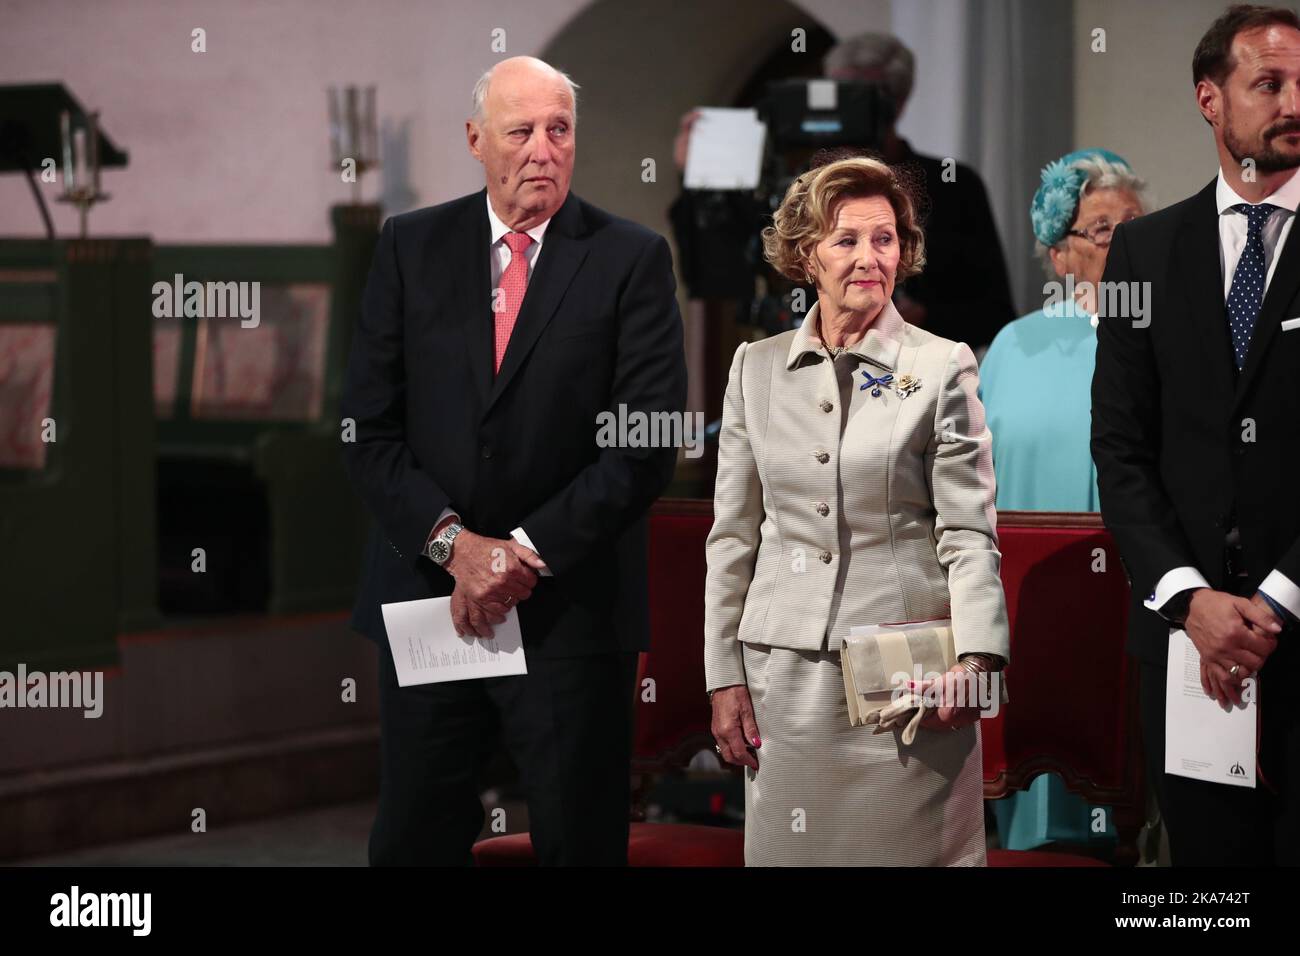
point(827, 794)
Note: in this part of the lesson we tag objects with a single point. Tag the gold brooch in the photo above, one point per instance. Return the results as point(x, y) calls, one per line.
point(906, 385)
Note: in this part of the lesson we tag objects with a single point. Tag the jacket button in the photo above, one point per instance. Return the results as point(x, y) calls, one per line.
point(827, 406)
point(826, 557)
point(487, 451)
point(821, 456)
point(823, 509)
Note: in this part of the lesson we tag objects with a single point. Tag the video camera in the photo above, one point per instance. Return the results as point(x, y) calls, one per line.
point(719, 236)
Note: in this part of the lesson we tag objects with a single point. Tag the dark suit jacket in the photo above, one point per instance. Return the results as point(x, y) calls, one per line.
point(599, 328)
point(1169, 411)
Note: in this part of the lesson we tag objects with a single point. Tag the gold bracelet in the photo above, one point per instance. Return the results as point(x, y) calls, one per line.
point(979, 662)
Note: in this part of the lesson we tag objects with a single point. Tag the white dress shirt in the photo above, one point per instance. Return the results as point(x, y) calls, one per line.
point(501, 252)
point(1232, 227)
point(499, 260)
point(1232, 240)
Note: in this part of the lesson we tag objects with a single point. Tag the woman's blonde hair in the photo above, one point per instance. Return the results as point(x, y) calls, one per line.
point(807, 213)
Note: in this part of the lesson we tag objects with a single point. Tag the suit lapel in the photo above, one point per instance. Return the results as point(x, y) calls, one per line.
point(1200, 276)
point(1281, 291)
point(475, 298)
point(563, 249)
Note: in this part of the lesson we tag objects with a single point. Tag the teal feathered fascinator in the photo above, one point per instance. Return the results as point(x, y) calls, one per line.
point(1057, 199)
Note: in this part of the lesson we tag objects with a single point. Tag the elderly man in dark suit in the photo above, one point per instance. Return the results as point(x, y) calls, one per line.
point(1194, 415)
point(495, 329)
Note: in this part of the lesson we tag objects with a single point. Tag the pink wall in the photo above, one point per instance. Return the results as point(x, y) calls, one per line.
point(233, 144)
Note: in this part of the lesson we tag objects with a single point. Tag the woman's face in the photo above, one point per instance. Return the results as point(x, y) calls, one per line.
point(1097, 209)
point(855, 265)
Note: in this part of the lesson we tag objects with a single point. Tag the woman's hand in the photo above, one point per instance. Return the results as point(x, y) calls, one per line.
point(958, 685)
point(734, 727)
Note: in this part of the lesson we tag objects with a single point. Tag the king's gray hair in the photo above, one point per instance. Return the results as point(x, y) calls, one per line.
point(478, 98)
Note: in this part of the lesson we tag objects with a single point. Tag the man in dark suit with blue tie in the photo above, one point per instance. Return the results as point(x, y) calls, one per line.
point(1195, 411)
point(495, 329)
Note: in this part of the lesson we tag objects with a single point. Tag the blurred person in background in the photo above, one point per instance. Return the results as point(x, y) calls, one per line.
point(1036, 385)
point(964, 293)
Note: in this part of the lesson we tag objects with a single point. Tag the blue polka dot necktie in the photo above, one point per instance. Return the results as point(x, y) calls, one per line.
point(1247, 292)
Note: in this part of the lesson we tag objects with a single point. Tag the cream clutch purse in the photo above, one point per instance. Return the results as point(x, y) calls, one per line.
point(872, 657)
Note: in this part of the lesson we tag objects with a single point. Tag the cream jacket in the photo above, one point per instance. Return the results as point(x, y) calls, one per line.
point(814, 533)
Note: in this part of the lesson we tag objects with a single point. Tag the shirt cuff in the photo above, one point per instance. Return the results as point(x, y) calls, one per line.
point(1282, 590)
point(522, 537)
point(1174, 582)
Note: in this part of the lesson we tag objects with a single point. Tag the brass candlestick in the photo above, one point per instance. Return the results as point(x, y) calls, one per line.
point(81, 164)
point(354, 131)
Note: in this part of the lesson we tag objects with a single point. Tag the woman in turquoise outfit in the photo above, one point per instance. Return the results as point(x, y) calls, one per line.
point(1036, 384)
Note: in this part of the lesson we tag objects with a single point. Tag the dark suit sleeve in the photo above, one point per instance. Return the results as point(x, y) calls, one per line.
point(649, 376)
point(403, 498)
point(1126, 442)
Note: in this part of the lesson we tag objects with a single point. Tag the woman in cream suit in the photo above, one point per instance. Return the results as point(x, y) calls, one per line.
point(855, 486)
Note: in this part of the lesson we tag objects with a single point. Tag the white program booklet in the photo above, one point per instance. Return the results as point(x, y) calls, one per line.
point(1202, 740)
point(725, 149)
point(427, 649)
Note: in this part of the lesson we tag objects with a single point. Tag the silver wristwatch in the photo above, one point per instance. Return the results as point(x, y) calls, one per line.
point(439, 549)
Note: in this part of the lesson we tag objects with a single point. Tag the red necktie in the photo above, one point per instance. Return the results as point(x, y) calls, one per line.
point(514, 283)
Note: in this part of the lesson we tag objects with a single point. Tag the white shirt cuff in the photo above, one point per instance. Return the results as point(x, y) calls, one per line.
point(1175, 581)
point(1282, 590)
point(522, 537)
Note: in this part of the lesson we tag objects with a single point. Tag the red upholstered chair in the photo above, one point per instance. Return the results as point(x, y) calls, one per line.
point(673, 725)
point(1073, 690)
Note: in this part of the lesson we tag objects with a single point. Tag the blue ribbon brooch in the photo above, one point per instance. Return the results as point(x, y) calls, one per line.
point(906, 384)
point(874, 383)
